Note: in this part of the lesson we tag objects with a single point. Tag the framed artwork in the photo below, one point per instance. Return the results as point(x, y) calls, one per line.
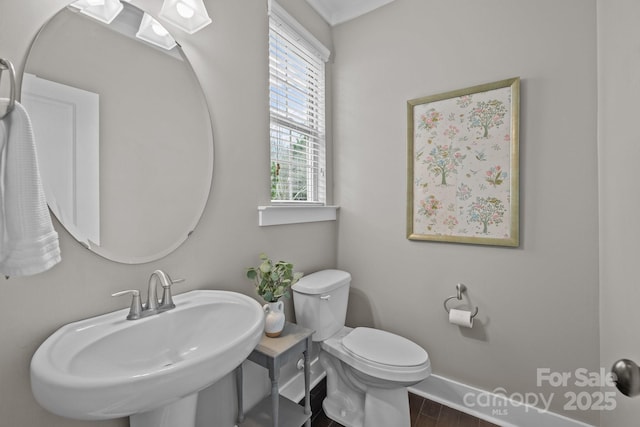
point(463, 165)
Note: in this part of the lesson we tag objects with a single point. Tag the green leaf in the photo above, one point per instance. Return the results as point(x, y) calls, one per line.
point(265, 267)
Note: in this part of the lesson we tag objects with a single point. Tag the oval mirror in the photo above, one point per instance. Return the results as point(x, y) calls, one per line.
point(123, 134)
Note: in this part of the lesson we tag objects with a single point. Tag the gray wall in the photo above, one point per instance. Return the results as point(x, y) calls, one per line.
point(618, 151)
point(538, 303)
point(230, 59)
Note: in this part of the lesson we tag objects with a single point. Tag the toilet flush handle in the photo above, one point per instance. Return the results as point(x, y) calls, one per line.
point(325, 297)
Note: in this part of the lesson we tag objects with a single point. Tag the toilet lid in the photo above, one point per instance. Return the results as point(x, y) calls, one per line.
point(384, 347)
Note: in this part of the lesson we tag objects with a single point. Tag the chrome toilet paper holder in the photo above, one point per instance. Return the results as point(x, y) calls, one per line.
point(460, 289)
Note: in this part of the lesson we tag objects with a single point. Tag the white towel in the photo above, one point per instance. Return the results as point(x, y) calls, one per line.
point(28, 241)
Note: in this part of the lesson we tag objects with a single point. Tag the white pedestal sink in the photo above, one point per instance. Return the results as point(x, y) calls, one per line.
point(149, 369)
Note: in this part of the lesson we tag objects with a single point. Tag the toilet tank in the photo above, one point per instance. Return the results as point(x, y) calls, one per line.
point(320, 302)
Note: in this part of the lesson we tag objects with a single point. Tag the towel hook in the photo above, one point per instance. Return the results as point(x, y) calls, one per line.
point(5, 64)
point(460, 289)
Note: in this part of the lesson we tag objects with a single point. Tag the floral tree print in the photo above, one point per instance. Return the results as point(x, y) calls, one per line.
point(462, 175)
point(430, 119)
point(496, 176)
point(430, 206)
point(451, 222)
point(487, 211)
point(451, 132)
point(464, 192)
point(486, 115)
point(444, 160)
point(464, 101)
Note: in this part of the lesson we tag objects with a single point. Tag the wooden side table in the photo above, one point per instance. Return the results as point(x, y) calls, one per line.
point(272, 353)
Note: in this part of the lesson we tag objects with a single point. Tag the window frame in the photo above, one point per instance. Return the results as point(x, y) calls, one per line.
point(288, 211)
point(297, 111)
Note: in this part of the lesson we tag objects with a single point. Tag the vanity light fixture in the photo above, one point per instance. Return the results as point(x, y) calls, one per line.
point(153, 32)
point(188, 15)
point(102, 10)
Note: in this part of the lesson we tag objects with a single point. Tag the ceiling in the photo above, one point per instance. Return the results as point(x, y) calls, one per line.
point(338, 11)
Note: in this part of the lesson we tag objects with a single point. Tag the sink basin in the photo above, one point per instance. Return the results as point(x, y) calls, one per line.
point(109, 367)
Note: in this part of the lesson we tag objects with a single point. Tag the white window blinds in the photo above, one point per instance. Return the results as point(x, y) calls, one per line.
point(297, 112)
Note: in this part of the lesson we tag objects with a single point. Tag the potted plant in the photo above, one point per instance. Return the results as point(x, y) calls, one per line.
point(272, 281)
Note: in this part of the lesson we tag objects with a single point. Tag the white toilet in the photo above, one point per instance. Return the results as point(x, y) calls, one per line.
point(368, 370)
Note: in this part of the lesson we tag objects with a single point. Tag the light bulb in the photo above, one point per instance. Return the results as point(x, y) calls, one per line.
point(184, 10)
point(188, 15)
point(151, 31)
point(159, 29)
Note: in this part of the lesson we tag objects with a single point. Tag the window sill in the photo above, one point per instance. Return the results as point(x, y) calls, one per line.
point(279, 215)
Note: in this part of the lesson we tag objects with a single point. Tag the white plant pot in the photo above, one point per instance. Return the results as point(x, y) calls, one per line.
point(273, 319)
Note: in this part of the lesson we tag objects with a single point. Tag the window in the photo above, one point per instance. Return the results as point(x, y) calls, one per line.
point(297, 111)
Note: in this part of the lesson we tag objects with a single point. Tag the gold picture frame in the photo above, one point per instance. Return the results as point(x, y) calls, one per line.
point(463, 165)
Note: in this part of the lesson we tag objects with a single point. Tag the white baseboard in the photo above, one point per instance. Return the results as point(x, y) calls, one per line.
point(502, 410)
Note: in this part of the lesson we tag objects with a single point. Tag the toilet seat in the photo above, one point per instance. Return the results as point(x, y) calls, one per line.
point(371, 359)
point(384, 348)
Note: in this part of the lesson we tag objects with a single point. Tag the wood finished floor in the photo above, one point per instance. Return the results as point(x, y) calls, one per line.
point(424, 413)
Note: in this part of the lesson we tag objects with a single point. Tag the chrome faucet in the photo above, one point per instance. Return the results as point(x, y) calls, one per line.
point(153, 305)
